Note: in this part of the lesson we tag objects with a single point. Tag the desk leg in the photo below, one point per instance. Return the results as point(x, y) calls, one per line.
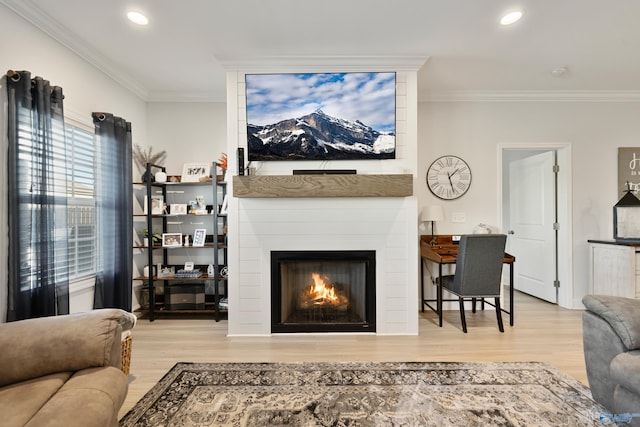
point(439, 293)
point(422, 284)
point(511, 294)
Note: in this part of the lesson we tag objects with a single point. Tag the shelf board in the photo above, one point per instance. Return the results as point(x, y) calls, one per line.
point(348, 185)
point(181, 279)
point(162, 310)
point(206, 246)
point(159, 184)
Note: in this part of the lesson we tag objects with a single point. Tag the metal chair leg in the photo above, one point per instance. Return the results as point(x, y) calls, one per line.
point(439, 295)
point(499, 314)
point(462, 318)
point(473, 305)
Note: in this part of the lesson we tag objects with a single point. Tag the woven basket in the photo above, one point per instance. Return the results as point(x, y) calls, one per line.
point(127, 342)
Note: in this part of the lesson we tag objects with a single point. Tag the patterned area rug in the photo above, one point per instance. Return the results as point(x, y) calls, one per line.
point(365, 394)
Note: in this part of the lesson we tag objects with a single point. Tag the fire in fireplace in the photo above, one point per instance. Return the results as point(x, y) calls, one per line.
point(323, 291)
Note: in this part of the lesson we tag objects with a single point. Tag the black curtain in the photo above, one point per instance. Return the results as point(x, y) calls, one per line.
point(38, 283)
point(114, 212)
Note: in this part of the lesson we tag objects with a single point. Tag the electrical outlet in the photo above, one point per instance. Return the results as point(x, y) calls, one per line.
point(455, 239)
point(458, 217)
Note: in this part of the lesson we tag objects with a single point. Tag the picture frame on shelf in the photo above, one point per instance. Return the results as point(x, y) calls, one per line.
point(192, 172)
point(157, 205)
point(171, 240)
point(199, 236)
point(200, 207)
point(225, 205)
point(177, 209)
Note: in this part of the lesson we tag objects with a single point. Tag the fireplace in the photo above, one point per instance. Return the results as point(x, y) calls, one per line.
point(323, 291)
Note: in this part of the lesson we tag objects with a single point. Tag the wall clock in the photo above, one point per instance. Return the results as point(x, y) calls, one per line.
point(449, 177)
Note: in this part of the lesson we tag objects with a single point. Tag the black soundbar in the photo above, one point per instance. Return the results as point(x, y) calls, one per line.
point(324, 171)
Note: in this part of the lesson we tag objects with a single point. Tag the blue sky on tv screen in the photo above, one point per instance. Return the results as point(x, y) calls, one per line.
point(368, 97)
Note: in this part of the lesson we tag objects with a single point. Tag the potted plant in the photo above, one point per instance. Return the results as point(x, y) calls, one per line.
point(155, 237)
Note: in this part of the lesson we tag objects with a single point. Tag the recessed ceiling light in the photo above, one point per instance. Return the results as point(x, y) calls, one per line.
point(559, 71)
point(137, 18)
point(511, 17)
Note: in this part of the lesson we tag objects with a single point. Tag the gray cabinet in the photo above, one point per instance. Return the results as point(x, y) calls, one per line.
point(615, 268)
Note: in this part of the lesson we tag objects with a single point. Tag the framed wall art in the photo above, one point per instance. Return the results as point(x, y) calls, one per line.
point(628, 170)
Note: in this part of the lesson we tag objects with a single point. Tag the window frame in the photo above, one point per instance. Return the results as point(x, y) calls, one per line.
point(82, 281)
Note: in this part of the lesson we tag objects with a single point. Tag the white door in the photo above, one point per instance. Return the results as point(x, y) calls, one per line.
point(532, 213)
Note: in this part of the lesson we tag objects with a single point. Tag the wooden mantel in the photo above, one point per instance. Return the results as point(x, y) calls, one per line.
point(280, 186)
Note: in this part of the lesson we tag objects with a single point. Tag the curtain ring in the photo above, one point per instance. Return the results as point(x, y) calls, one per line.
point(15, 77)
point(101, 117)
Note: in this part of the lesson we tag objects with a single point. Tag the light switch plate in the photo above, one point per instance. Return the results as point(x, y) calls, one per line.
point(458, 217)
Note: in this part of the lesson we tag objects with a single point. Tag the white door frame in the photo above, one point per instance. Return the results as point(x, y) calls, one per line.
point(565, 233)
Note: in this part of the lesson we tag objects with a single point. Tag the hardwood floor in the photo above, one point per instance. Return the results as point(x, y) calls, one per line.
point(542, 332)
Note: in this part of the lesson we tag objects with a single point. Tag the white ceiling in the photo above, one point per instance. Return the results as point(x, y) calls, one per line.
point(179, 56)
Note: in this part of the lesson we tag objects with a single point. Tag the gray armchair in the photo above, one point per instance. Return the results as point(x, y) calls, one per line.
point(478, 272)
point(611, 339)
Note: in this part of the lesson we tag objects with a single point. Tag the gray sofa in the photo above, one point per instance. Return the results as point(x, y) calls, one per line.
point(611, 339)
point(63, 370)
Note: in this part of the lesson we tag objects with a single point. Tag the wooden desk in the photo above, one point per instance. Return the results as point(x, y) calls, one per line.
point(443, 252)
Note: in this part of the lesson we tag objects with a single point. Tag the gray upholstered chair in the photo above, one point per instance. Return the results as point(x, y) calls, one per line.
point(478, 272)
point(611, 339)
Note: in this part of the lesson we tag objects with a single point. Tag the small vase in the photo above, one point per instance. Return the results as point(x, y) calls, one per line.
point(148, 177)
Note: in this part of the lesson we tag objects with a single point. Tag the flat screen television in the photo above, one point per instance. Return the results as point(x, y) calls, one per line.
point(321, 116)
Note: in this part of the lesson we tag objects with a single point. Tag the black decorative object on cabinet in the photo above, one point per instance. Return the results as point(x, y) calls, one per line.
point(626, 217)
point(182, 283)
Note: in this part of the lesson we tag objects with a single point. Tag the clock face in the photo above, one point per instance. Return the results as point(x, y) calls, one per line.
point(448, 177)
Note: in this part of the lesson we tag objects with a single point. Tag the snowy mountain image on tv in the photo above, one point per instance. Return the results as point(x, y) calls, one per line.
point(321, 116)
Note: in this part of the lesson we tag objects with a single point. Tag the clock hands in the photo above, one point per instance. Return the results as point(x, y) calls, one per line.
point(449, 175)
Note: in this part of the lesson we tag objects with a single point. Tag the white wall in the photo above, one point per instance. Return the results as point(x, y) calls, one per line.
point(86, 89)
point(473, 130)
point(189, 131)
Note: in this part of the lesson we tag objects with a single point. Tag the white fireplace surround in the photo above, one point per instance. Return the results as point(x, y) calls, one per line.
point(386, 225)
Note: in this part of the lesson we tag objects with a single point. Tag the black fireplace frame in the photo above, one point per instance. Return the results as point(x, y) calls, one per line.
point(369, 257)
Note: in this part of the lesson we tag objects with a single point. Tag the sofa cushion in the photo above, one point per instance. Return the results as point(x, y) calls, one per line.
point(625, 370)
point(59, 344)
point(620, 313)
point(91, 397)
point(20, 401)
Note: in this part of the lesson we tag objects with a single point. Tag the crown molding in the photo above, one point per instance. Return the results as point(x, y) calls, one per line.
point(41, 20)
point(324, 63)
point(182, 96)
point(532, 96)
